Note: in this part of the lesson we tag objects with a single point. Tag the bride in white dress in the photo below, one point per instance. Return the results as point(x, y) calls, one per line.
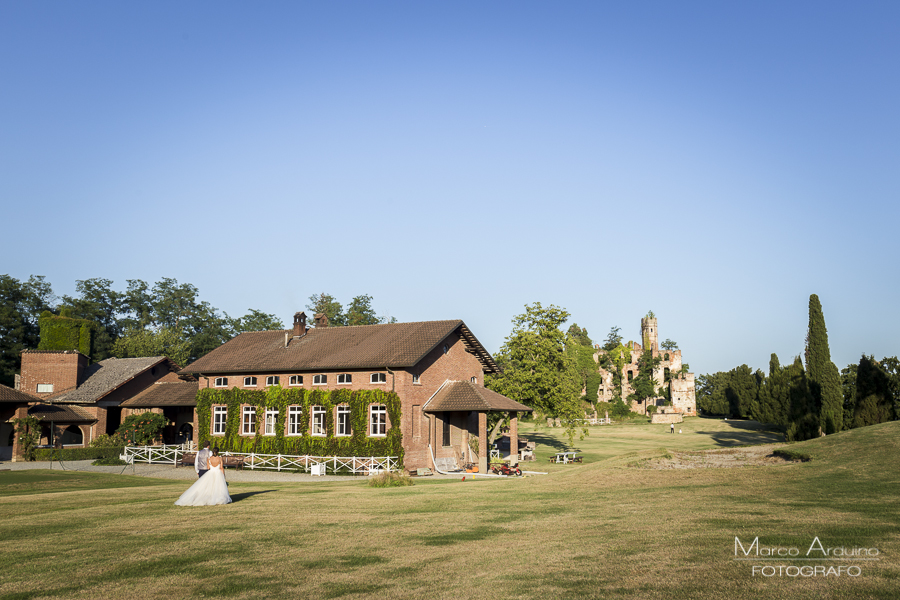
point(209, 489)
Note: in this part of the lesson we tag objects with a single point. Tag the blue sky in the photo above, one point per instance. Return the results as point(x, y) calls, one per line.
point(711, 162)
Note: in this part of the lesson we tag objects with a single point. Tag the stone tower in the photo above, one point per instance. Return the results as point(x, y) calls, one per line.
point(649, 334)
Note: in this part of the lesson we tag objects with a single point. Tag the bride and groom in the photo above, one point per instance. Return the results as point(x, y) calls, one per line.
point(211, 487)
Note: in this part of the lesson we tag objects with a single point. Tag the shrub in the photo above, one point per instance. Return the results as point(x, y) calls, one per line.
point(108, 441)
point(109, 461)
point(143, 429)
point(384, 480)
point(77, 453)
point(788, 454)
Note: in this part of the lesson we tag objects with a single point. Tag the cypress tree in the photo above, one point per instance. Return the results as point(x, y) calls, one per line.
point(804, 410)
point(873, 393)
point(824, 378)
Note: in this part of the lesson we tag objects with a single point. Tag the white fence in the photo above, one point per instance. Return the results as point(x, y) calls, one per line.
point(358, 465)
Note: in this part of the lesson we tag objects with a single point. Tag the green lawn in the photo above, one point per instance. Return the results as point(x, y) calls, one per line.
point(593, 530)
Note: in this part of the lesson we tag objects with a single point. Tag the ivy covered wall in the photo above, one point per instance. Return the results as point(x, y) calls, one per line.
point(64, 333)
point(276, 397)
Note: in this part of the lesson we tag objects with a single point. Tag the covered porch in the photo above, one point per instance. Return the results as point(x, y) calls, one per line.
point(457, 413)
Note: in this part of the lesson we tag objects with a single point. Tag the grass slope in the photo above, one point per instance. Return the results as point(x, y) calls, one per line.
point(594, 530)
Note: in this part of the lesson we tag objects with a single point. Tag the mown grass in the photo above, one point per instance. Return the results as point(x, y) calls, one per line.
point(592, 530)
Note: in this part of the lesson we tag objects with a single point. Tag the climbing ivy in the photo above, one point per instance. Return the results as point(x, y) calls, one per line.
point(64, 333)
point(279, 398)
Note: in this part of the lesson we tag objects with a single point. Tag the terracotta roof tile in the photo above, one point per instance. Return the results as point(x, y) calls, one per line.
point(103, 377)
point(361, 347)
point(8, 394)
point(165, 393)
point(465, 396)
point(61, 412)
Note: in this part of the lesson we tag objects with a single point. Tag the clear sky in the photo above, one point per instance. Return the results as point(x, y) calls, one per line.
point(716, 162)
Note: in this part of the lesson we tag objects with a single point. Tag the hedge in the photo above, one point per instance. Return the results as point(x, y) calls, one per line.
point(77, 453)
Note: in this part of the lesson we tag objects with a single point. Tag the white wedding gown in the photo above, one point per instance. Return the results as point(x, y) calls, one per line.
point(208, 490)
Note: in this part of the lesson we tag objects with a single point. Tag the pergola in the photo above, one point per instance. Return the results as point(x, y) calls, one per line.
point(465, 396)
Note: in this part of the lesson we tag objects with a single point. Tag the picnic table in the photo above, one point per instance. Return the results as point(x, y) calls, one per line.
point(566, 457)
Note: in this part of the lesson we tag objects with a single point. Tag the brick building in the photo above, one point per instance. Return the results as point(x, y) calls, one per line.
point(82, 400)
point(436, 368)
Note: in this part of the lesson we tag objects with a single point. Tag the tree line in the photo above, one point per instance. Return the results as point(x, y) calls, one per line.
point(166, 318)
point(811, 399)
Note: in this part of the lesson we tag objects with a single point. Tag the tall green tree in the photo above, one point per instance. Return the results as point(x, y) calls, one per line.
point(21, 304)
point(537, 371)
point(360, 311)
point(97, 302)
point(824, 377)
point(644, 385)
point(613, 338)
point(329, 306)
point(256, 320)
point(139, 342)
point(848, 387)
point(805, 409)
point(874, 403)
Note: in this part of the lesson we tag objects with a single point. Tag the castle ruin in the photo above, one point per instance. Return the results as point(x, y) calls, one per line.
point(667, 373)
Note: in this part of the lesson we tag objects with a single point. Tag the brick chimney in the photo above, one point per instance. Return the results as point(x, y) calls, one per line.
point(299, 324)
point(54, 372)
point(321, 320)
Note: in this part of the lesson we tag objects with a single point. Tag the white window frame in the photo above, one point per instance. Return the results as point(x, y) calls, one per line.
point(45, 388)
point(345, 378)
point(249, 381)
point(295, 414)
point(271, 421)
point(378, 378)
point(273, 380)
point(377, 420)
point(416, 380)
point(342, 426)
point(220, 419)
point(319, 425)
point(221, 382)
point(474, 379)
point(248, 420)
point(295, 380)
point(320, 379)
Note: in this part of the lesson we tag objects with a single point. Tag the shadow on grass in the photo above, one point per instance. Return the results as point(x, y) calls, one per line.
point(743, 433)
point(245, 495)
point(546, 440)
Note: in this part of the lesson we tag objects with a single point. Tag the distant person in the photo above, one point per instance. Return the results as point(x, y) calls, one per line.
point(673, 427)
point(209, 490)
point(201, 462)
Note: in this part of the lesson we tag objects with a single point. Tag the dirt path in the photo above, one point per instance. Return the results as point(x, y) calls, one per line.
point(749, 456)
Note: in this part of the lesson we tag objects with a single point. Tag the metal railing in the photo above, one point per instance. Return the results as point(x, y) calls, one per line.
point(358, 465)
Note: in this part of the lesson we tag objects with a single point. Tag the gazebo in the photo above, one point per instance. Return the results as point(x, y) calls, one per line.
point(456, 397)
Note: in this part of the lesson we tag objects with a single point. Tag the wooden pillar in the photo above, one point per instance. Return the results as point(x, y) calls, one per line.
point(17, 451)
point(484, 452)
point(513, 439)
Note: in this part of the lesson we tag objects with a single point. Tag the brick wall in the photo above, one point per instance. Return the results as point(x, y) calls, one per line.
point(418, 428)
point(62, 370)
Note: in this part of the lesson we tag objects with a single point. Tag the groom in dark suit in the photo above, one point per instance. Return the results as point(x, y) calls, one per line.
point(201, 462)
